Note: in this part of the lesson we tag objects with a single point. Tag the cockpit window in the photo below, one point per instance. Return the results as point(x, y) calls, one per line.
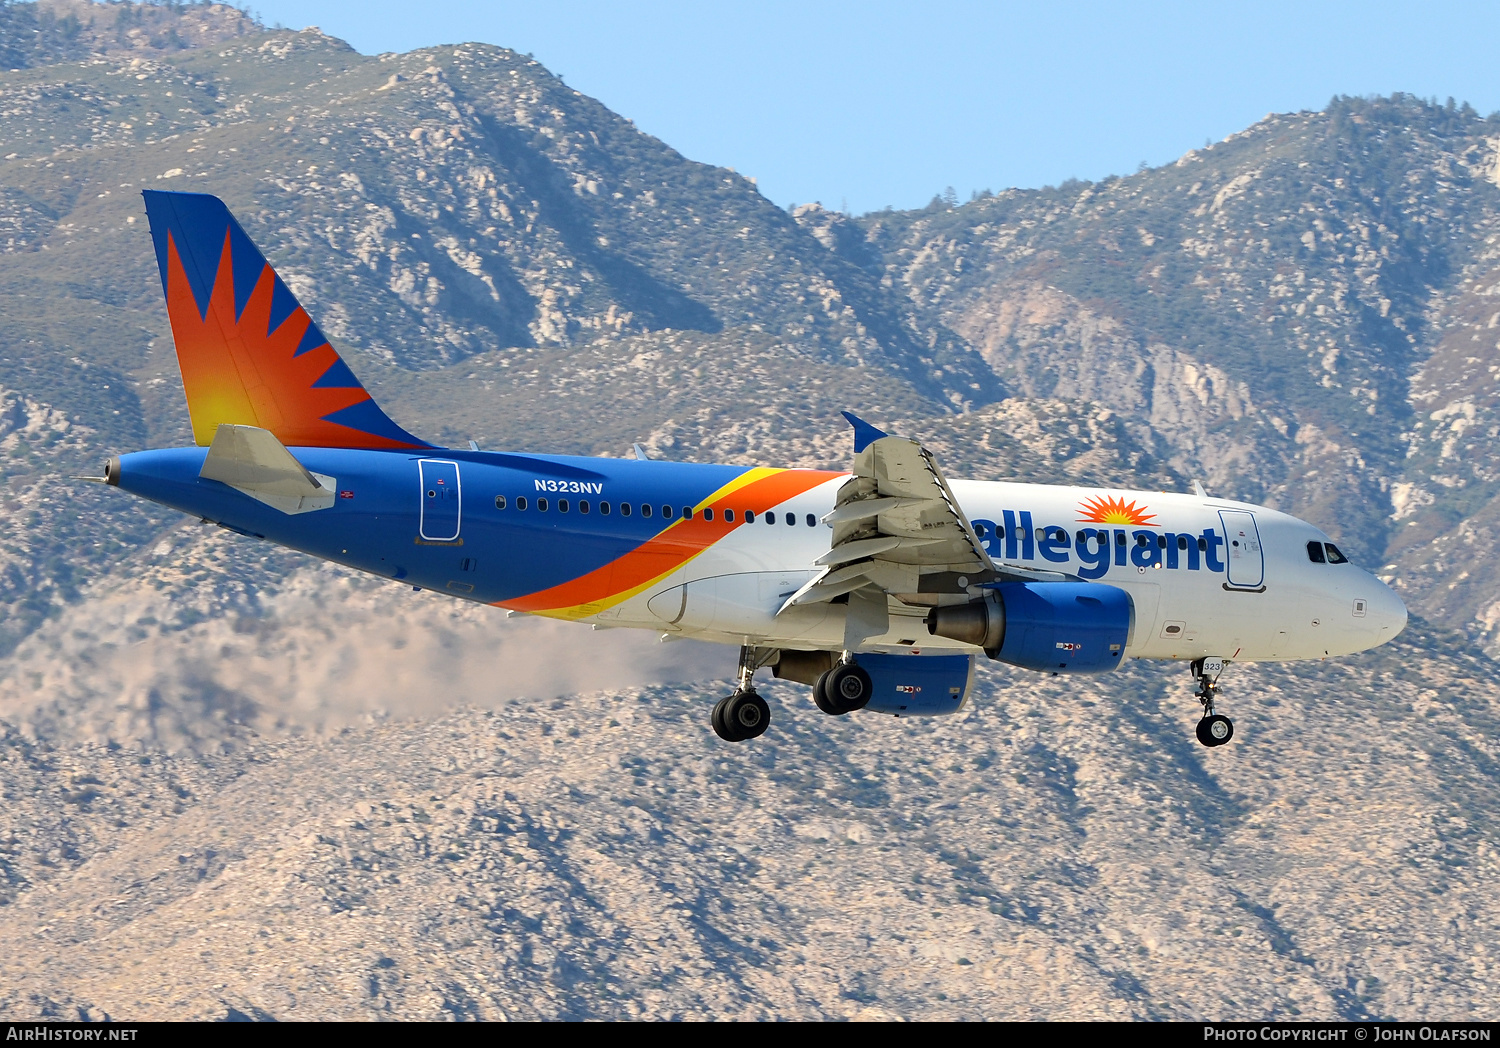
point(1335, 556)
point(1315, 552)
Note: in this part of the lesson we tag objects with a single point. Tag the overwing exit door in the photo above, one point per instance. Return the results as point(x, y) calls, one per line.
point(1247, 565)
point(442, 500)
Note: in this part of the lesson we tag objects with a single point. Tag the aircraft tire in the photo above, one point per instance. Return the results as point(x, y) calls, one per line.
point(849, 687)
point(721, 726)
point(1215, 730)
point(820, 696)
point(747, 715)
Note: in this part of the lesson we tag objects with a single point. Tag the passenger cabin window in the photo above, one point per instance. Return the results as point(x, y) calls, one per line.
point(583, 506)
point(541, 505)
point(687, 512)
point(521, 502)
point(1315, 552)
point(979, 530)
point(729, 515)
point(666, 512)
point(708, 514)
point(749, 516)
point(645, 509)
point(604, 508)
point(624, 509)
point(499, 501)
point(562, 505)
point(1334, 554)
point(770, 517)
point(812, 521)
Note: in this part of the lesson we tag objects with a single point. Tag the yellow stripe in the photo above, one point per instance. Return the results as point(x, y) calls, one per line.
point(594, 607)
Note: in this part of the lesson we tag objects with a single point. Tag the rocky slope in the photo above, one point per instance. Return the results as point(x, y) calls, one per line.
point(1062, 850)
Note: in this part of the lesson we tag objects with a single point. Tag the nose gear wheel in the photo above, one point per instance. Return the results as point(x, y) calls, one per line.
point(1215, 730)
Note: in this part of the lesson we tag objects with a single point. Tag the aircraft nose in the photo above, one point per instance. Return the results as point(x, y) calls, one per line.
point(1388, 610)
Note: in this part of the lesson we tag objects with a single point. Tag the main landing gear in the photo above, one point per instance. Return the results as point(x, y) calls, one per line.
point(843, 689)
point(1214, 729)
point(744, 715)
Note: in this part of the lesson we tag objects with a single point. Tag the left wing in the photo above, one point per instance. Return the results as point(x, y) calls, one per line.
point(897, 532)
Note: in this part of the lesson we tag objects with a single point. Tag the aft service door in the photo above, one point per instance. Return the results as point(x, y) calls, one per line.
point(442, 500)
point(1247, 566)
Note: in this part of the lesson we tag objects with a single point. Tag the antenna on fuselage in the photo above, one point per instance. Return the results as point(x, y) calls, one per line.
point(639, 451)
point(1199, 490)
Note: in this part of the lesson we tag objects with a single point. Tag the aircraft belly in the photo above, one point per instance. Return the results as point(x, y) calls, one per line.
point(1196, 617)
point(743, 603)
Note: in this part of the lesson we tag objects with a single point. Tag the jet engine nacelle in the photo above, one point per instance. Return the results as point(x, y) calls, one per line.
point(1058, 627)
point(918, 685)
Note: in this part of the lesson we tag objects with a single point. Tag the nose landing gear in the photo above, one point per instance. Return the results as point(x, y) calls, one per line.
point(1214, 729)
point(744, 715)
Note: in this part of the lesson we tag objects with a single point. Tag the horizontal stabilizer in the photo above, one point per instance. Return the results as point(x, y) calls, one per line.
point(252, 461)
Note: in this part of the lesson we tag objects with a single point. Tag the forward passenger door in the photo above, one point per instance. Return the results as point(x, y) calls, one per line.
point(1242, 552)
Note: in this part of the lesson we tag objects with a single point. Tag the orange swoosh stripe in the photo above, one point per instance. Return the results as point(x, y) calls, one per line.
point(756, 490)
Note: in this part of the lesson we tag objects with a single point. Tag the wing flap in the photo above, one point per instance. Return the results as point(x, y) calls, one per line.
point(897, 530)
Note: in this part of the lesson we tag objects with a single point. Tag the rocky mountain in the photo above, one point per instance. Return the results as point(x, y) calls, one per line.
point(1061, 850)
point(1298, 311)
point(238, 784)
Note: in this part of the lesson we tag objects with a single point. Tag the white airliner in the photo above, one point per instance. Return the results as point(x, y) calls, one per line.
point(1051, 578)
point(880, 587)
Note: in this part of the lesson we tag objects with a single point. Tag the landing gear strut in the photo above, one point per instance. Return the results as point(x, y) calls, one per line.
point(744, 715)
point(843, 689)
point(1214, 729)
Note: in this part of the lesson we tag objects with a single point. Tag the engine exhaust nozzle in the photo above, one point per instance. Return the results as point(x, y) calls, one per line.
point(980, 623)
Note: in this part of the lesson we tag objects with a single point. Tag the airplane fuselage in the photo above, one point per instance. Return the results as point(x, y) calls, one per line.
point(831, 579)
point(714, 552)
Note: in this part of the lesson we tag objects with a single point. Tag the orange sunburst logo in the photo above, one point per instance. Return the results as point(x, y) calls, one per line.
point(237, 370)
point(1099, 510)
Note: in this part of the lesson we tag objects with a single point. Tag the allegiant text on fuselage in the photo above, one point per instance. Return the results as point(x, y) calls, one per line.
point(1095, 548)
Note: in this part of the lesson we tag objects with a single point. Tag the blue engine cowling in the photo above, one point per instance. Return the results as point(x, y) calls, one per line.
point(1064, 627)
point(1056, 627)
point(918, 685)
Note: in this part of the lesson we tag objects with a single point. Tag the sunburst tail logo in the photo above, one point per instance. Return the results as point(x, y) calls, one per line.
point(250, 355)
point(1100, 510)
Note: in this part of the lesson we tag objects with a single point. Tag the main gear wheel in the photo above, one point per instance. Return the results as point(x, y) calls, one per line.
point(743, 715)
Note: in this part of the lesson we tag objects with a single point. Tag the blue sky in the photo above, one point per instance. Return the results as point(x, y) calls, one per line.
point(866, 105)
